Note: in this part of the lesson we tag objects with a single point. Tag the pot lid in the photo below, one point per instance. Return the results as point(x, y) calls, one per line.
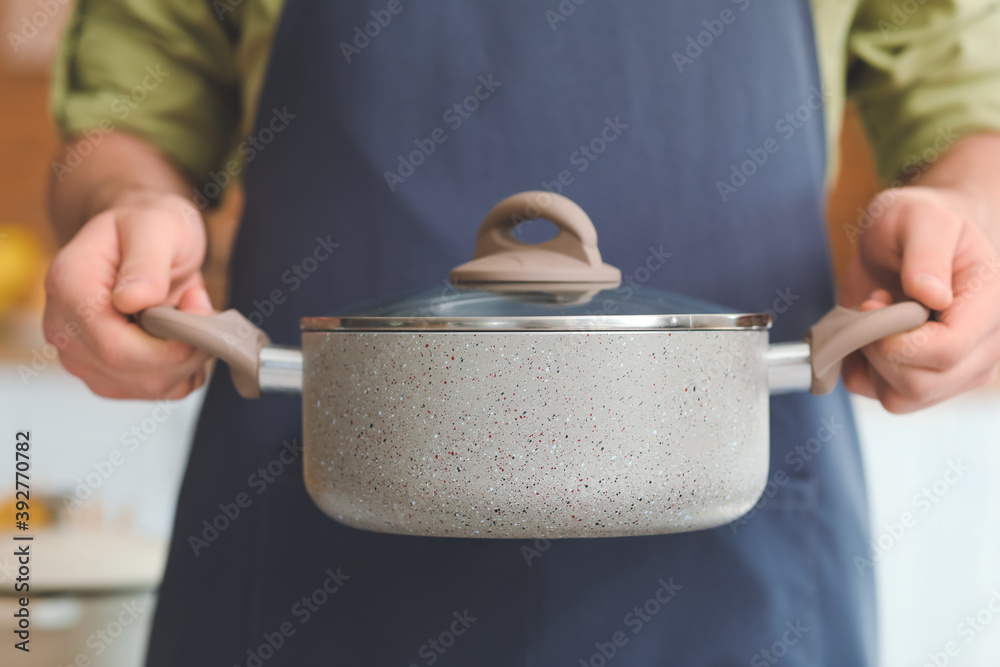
point(619, 308)
point(559, 285)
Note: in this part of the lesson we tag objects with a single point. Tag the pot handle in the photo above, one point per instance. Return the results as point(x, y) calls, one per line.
point(227, 335)
point(845, 330)
point(571, 257)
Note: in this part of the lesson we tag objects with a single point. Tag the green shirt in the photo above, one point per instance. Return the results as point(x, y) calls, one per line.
point(185, 74)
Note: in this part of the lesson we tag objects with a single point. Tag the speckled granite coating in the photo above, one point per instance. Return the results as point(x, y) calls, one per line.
point(532, 435)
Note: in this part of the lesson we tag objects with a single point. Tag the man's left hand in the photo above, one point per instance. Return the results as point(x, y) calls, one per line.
point(935, 245)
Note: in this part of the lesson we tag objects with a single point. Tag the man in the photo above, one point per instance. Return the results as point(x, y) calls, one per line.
point(694, 92)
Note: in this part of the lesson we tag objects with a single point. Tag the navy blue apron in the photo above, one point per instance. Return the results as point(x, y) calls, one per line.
point(690, 132)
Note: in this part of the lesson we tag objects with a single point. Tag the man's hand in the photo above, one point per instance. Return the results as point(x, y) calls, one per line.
point(937, 245)
point(144, 251)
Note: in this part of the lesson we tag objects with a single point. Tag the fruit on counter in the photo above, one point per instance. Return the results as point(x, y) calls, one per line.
point(22, 267)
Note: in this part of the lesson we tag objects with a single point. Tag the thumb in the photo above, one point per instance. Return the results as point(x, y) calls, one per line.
point(147, 253)
point(929, 247)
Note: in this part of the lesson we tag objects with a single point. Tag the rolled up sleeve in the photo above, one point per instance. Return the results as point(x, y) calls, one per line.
point(161, 70)
point(924, 73)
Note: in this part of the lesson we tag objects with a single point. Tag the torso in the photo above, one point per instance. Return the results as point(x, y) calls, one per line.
point(670, 135)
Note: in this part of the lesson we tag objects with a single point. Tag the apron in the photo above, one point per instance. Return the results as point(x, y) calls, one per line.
point(690, 132)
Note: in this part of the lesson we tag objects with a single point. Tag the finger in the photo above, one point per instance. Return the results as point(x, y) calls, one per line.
point(109, 383)
point(147, 247)
point(182, 389)
point(195, 300)
point(973, 316)
point(855, 284)
point(879, 248)
point(121, 344)
point(136, 350)
point(96, 381)
point(943, 344)
point(930, 386)
point(78, 287)
point(856, 370)
point(857, 375)
point(897, 403)
point(79, 278)
point(879, 298)
point(110, 353)
point(911, 244)
point(928, 242)
point(970, 319)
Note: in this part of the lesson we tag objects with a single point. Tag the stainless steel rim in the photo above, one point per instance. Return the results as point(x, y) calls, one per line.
point(696, 322)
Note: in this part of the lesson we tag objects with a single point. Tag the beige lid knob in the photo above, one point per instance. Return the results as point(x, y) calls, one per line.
point(571, 257)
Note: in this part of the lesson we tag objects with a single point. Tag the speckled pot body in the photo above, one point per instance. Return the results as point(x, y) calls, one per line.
point(535, 435)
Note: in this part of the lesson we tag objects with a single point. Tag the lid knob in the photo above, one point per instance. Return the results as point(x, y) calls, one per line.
point(571, 257)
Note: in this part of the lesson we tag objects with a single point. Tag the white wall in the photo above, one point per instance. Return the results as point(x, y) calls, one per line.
point(74, 434)
point(945, 565)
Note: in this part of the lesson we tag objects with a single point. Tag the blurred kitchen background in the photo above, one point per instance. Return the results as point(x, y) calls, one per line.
point(105, 474)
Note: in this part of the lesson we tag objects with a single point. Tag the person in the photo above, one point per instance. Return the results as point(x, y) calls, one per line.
point(724, 112)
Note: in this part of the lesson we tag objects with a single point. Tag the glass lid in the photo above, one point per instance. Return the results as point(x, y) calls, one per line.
point(547, 307)
point(559, 285)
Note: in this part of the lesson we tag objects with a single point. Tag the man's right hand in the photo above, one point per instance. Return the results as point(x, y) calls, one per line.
point(145, 251)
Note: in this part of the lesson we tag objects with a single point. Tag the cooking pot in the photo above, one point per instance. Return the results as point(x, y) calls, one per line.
point(538, 397)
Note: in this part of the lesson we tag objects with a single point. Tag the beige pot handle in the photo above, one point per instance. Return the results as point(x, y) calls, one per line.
point(571, 257)
point(844, 330)
point(227, 335)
